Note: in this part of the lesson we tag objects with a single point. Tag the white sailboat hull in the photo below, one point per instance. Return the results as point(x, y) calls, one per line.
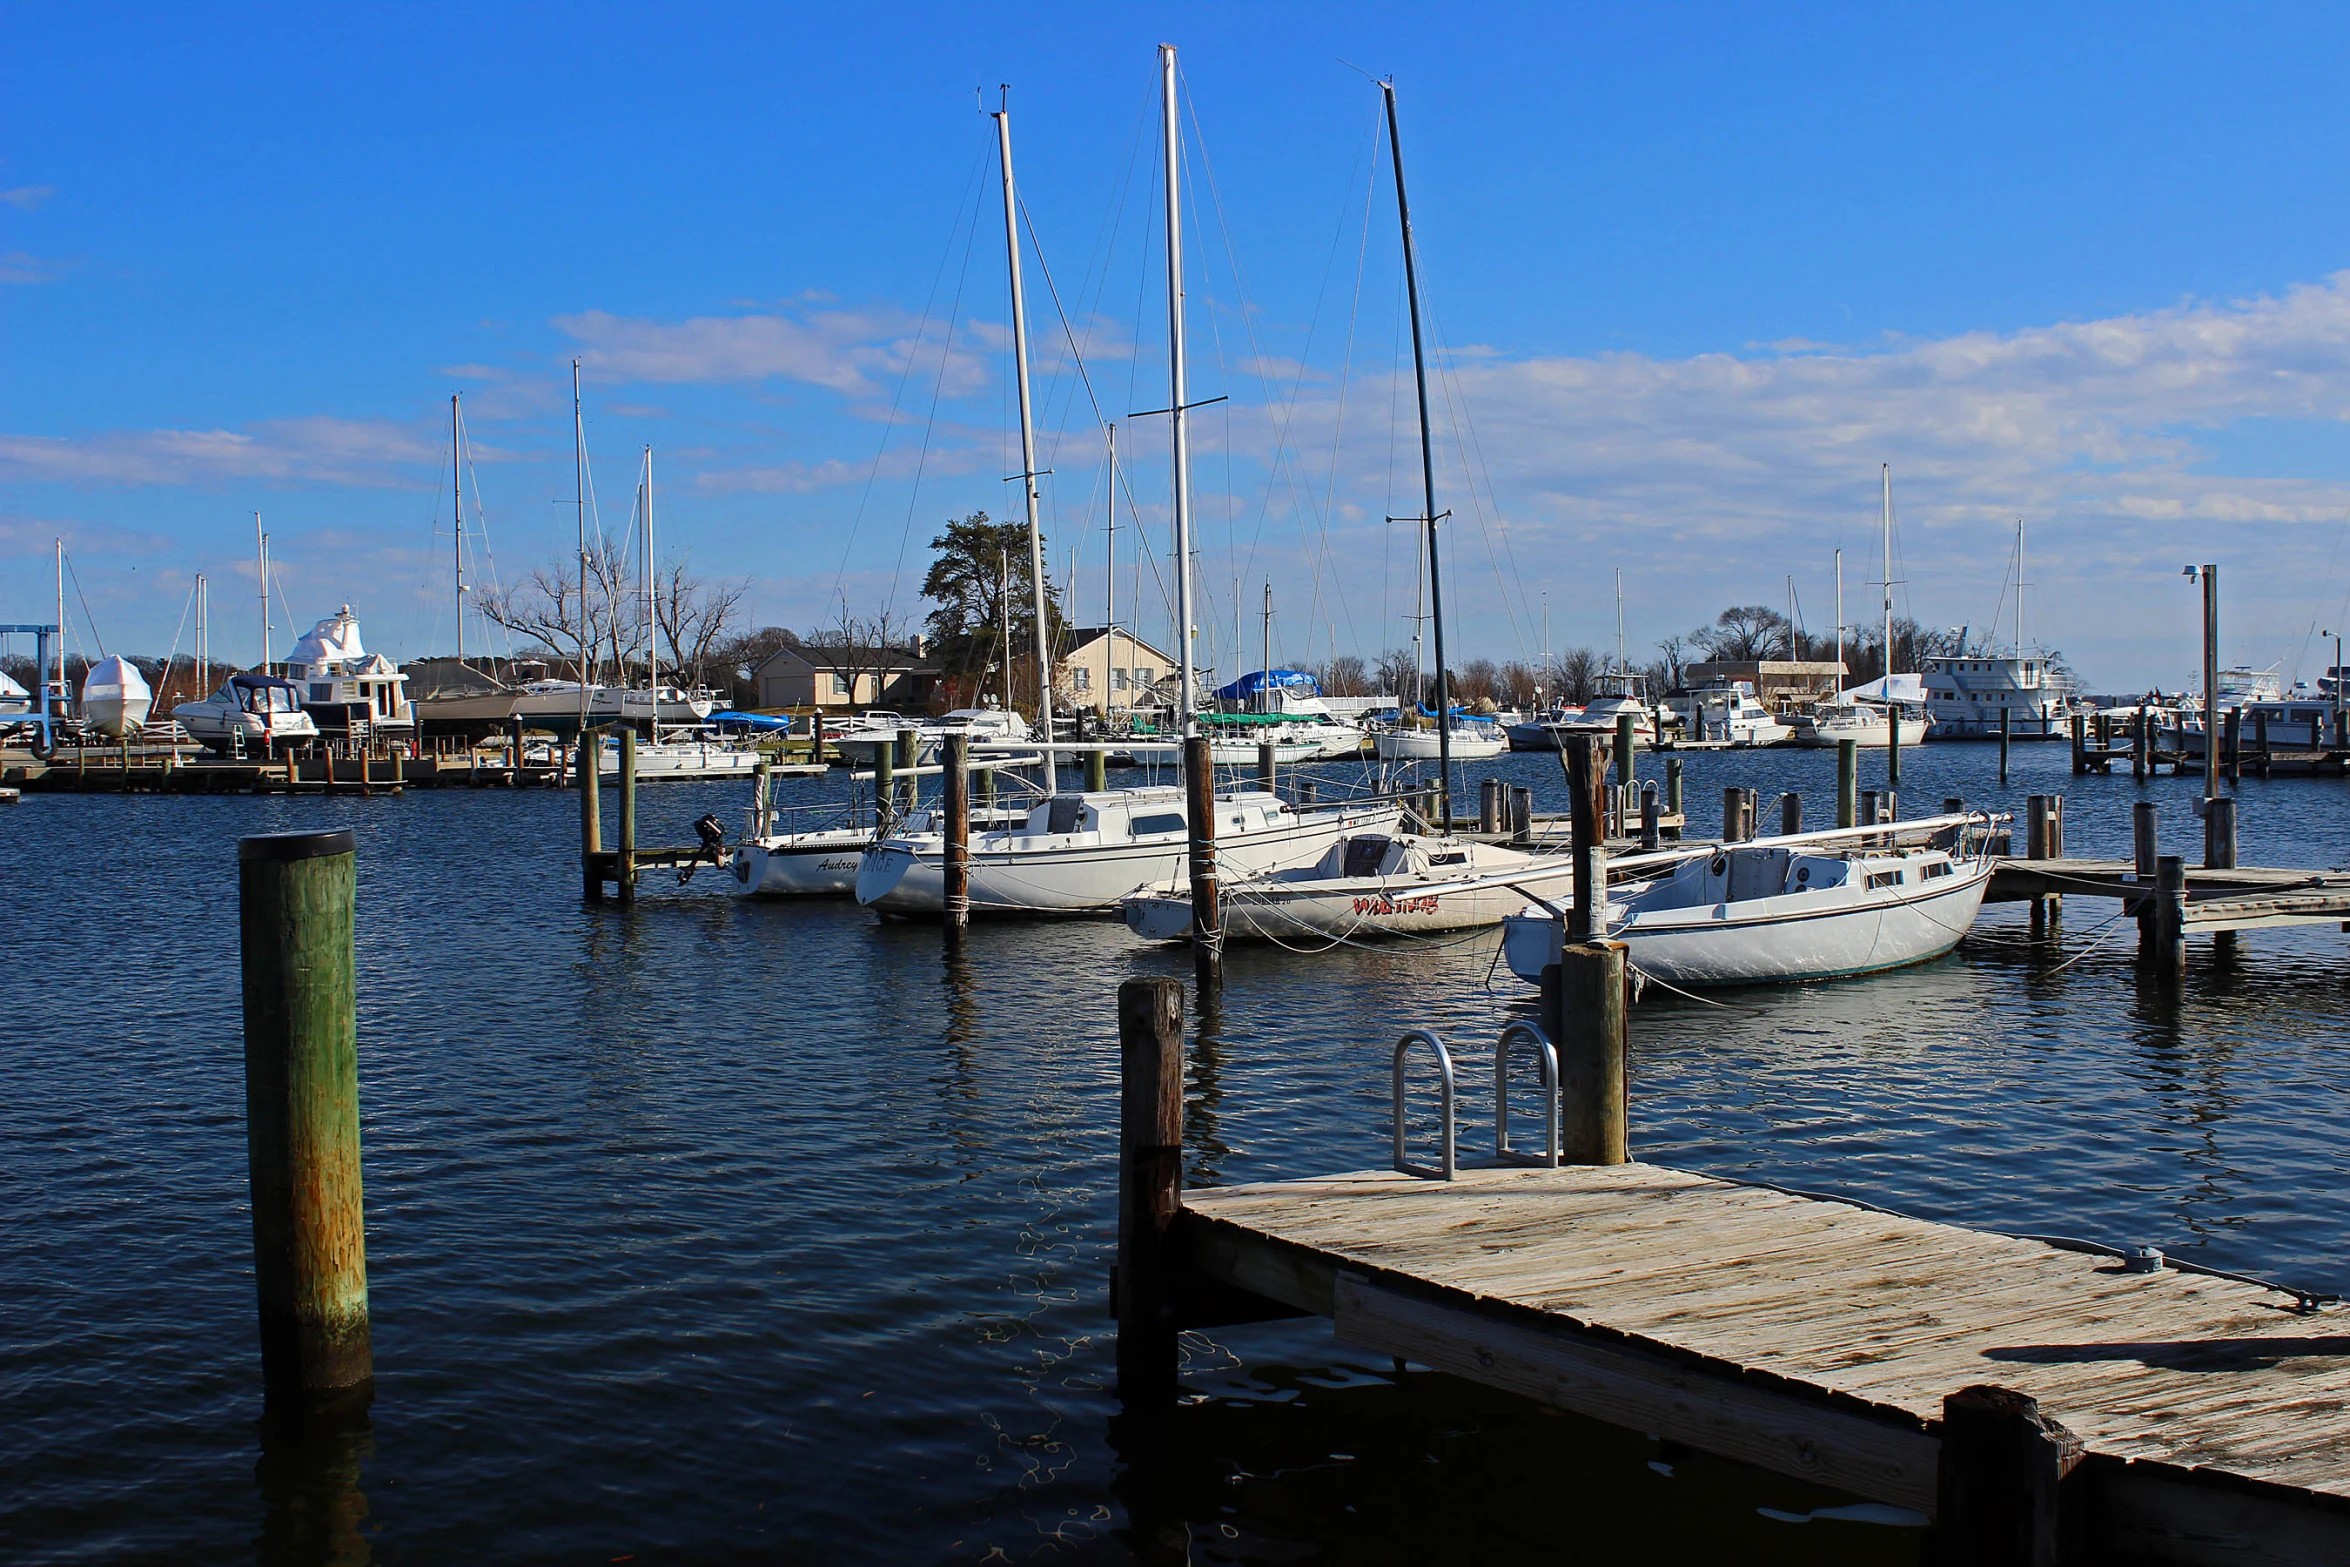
point(1420, 745)
point(801, 865)
point(1831, 934)
point(1866, 733)
point(683, 760)
point(1349, 908)
point(1074, 874)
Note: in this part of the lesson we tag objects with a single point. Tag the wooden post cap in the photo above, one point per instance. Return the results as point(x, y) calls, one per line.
point(283, 846)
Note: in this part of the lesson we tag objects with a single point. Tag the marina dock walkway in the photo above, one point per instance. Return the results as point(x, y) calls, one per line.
point(1821, 1339)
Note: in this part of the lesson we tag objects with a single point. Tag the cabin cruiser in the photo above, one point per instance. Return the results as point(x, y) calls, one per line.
point(1763, 912)
point(345, 689)
point(1727, 714)
point(247, 711)
point(115, 697)
point(1082, 853)
point(1863, 723)
point(1967, 692)
point(1366, 884)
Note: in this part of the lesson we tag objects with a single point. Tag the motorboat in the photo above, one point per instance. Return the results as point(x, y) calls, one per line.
point(247, 711)
point(863, 739)
point(1082, 853)
point(1766, 912)
point(115, 697)
point(345, 689)
point(1366, 884)
point(1472, 739)
point(1728, 714)
point(1967, 693)
point(684, 756)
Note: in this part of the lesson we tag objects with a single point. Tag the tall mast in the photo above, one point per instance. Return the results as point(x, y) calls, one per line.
point(261, 541)
point(61, 687)
point(1411, 274)
point(1044, 662)
point(1267, 647)
point(1110, 563)
point(2020, 643)
point(1178, 436)
point(1839, 615)
point(457, 490)
point(579, 485)
point(1620, 620)
point(652, 608)
point(203, 635)
point(1888, 584)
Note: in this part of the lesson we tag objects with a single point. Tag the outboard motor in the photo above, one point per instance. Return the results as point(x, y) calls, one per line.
point(712, 832)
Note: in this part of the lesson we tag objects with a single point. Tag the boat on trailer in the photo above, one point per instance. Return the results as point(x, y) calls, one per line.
point(1808, 907)
point(1366, 885)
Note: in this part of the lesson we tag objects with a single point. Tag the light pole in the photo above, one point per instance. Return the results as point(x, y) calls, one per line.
point(2209, 574)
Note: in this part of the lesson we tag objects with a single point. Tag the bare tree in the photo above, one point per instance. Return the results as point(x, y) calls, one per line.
point(1399, 675)
point(1516, 684)
point(1675, 649)
point(1475, 681)
point(1574, 673)
point(853, 647)
point(549, 607)
point(1345, 675)
point(695, 616)
point(1745, 632)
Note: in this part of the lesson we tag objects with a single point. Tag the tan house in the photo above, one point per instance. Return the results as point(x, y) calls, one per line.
point(1111, 671)
point(843, 679)
point(1784, 685)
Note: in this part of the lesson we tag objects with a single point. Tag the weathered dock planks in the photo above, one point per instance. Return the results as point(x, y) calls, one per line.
point(1817, 1338)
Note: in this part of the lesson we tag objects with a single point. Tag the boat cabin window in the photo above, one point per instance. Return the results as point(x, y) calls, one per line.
point(1884, 879)
point(1457, 857)
point(1938, 868)
point(1165, 822)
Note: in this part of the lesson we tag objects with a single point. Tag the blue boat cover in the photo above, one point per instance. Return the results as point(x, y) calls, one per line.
point(1269, 680)
point(764, 723)
point(1460, 714)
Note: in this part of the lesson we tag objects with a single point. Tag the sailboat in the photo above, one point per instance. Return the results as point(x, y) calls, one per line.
point(450, 695)
point(1082, 853)
point(256, 709)
point(1867, 713)
point(691, 750)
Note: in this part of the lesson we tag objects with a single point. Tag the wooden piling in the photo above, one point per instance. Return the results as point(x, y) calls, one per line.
point(909, 756)
point(1893, 727)
point(956, 864)
point(1150, 1182)
point(624, 867)
point(1584, 1015)
point(514, 752)
point(1651, 828)
point(1627, 740)
point(1847, 783)
point(2080, 746)
point(762, 799)
point(1584, 781)
point(1521, 814)
point(1199, 798)
point(1790, 813)
point(295, 894)
point(2170, 917)
point(1489, 805)
point(591, 819)
point(2231, 749)
point(2037, 821)
point(2141, 744)
point(2006, 724)
point(1734, 829)
point(1309, 792)
point(2000, 1483)
point(2260, 746)
point(1097, 770)
point(1673, 786)
point(2219, 853)
point(885, 786)
point(816, 739)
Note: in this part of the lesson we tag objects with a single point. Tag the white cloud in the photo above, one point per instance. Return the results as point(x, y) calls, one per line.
point(314, 449)
point(20, 266)
point(26, 197)
point(852, 352)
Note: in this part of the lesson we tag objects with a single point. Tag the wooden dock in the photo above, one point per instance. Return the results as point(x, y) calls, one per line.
point(2247, 897)
point(2036, 1401)
point(1821, 1339)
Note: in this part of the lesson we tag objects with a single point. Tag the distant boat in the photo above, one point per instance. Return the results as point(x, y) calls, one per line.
point(1470, 739)
point(1366, 884)
point(115, 698)
point(1764, 913)
point(345, 689)
point(249, 711)
point(1863, 723)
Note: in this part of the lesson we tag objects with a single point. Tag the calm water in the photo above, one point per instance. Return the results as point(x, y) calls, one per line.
point(718, 1231)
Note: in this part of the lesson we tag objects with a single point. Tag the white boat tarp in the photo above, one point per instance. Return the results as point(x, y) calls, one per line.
point(1908, 690)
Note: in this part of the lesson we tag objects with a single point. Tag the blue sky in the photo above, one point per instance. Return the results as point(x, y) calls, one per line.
point(1697, 272)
